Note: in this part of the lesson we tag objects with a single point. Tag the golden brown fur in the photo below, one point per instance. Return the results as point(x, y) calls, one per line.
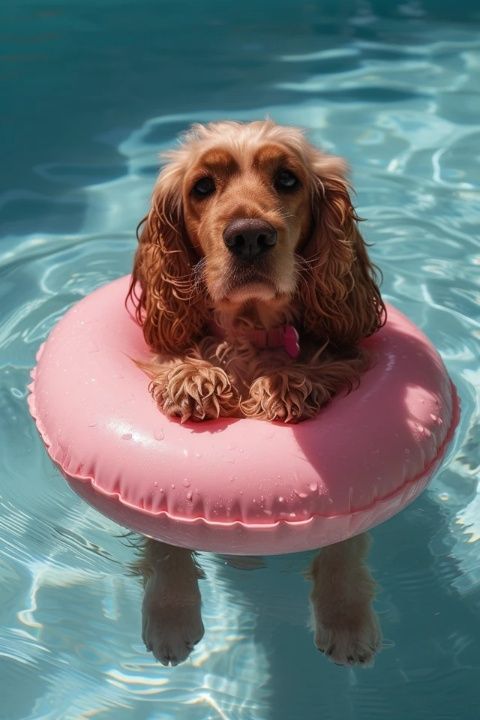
point(198, 302)
point(345, 625)
point(318, 277)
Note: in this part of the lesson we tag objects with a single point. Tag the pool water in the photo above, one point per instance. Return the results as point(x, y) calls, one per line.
point(91, 92)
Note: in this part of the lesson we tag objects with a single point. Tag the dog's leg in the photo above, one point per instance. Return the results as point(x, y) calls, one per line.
point(192, 389)
point(298, 391)
point(172, 622)
point(345, 624)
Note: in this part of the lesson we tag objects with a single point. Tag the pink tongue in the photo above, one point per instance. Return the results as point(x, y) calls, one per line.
point(290, 341)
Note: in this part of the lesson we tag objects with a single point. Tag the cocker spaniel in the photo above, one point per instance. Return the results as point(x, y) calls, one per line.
point(254, 288)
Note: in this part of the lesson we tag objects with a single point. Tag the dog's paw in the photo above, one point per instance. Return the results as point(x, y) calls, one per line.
point(351, 639)
point(288, 396)
point(171, 631)
point(195, 391)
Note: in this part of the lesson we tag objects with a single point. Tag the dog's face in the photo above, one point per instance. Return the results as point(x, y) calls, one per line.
point(247, 210)
point(252, 212)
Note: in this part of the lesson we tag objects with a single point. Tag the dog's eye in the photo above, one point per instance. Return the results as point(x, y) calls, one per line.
point(204, 187)
point(286, 180)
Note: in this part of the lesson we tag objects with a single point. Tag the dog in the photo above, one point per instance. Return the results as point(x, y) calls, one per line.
point(254, 288)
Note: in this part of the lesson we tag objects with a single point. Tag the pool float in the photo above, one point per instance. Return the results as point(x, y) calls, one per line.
point(237, 486)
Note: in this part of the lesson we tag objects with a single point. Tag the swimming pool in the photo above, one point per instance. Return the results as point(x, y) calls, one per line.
point(94, 91)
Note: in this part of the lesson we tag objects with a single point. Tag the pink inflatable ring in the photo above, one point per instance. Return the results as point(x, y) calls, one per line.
point(237, 485)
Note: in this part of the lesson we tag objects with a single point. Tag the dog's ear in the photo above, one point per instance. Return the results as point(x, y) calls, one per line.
point(338, 291)
point(163, 290)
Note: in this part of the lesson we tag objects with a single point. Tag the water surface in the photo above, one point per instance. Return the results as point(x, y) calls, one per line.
point(92, 91)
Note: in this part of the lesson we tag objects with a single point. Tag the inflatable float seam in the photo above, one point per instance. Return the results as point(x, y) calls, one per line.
point(397, 492)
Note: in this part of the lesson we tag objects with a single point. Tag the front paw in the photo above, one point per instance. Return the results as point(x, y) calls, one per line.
point(195, 391)
point(170, 629)
point(285, 396)
point(350, 639)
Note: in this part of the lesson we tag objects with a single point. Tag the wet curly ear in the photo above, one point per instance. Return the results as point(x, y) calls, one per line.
point(339, 291)
point(163, 290)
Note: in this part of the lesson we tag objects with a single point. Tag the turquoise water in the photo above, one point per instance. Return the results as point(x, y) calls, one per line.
point(91, 92)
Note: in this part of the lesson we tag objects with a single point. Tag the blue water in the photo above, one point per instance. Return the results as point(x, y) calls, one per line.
point(91, 91)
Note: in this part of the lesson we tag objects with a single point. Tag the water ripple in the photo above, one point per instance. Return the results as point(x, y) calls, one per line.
point(400, 100)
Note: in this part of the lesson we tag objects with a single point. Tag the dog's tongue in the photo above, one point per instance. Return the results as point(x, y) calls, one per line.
point(291, 341)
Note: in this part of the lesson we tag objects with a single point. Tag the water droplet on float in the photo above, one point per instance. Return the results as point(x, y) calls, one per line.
point(281, 498)
point(313, 486)
point(189, 495)
point(159, 435)
point(186, 482)
point(173, 486)
point(155, 483)
point(127, 436)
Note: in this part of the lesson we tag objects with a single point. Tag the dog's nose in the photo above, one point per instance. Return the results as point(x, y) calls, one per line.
point(247, 238)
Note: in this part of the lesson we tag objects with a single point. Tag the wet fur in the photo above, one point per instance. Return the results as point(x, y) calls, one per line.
point(329, 293)
point(324, 284)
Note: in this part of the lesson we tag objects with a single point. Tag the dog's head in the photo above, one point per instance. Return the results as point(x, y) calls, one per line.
point(252, 213)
